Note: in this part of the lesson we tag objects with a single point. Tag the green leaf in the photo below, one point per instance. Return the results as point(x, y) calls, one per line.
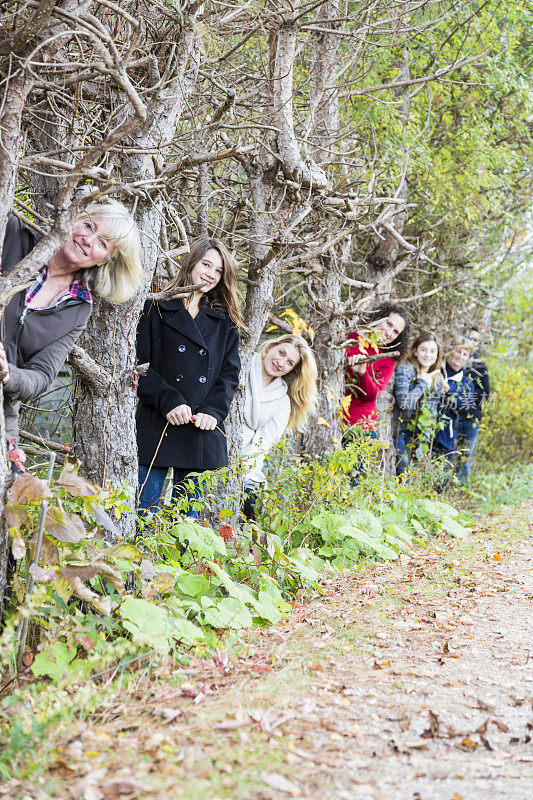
point(452, 527)
point(228, 613)
point(185, 631)
point(203, 541)
point(193, 585)
point(148, 624)
point(53, 661)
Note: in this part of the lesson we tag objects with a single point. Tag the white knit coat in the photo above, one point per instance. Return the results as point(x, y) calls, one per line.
point(266, 413)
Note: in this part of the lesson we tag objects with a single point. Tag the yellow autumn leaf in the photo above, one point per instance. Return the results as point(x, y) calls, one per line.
point(271, 328)
point(330, 394)
point(322, 421)
point(290, 313)
point(311, 333)
point(345, 403)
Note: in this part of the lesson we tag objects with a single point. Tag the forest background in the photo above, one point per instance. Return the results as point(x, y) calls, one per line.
point(347, 151)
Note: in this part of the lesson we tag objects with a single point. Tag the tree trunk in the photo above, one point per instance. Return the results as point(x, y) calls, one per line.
point(324, 429)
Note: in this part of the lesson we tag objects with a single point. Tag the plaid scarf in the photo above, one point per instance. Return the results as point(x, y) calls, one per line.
point(75, 290)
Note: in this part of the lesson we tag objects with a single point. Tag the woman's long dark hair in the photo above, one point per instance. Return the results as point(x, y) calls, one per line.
point(401, 343)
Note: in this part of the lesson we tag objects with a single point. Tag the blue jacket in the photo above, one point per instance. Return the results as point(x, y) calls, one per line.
point(478, 371)
point(456, 402)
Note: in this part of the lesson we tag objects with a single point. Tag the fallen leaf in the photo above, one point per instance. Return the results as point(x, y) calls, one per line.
point(118, 787)
point(280, 783)
point(501, 725)
point(168, 714)
point(163, 582)
point(27, 658)
point(497, 557)
point(434, 723)
point(467, 744)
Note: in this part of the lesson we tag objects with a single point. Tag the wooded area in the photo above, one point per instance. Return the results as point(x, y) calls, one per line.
point(347, 153)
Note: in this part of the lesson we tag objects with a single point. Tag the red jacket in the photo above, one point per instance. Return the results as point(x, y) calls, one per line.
point(364, 389)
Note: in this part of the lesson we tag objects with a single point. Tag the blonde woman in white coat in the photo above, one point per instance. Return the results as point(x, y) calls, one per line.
point(280, 395)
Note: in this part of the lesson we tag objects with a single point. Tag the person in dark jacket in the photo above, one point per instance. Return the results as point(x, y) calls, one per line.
point(470, 419)
point(42, 321)
point(192, 347)
point(458, 399)
point(418, 389)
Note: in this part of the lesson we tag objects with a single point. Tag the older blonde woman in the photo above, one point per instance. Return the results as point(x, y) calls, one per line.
point(280, 394)
point(42, 321)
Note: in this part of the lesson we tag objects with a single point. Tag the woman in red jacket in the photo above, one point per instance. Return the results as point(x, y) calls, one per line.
point(364, 382)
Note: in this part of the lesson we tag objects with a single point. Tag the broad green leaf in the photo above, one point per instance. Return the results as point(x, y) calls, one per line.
point(193, 585)
point(203, 541)
point(53, 661)
point(228, 613)
point(186, 632)
point(148, 624)
point(453, 527)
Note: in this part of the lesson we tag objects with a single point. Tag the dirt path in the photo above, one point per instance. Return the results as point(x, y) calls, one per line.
point(411, 681)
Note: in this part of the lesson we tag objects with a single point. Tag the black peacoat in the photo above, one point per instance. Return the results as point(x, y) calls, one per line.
point(192, 361)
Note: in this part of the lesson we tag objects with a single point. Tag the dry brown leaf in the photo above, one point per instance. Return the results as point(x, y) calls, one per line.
point(63, 526)
point(43, 575)
point(280, 783)
point(76, 485)
point(121, 787)
point(49, 553)
point(27, 488)
point(15, 516)
point(163, 582)
point(434, 723)
point(168, 714)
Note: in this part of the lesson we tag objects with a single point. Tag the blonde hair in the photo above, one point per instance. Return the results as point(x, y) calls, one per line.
point(301, 380)
point(121, 277)
point(464, 345)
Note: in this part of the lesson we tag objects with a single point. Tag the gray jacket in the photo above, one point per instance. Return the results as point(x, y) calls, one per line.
point(37, 347)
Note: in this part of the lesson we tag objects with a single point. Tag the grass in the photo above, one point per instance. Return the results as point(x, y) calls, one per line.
point(193, 759)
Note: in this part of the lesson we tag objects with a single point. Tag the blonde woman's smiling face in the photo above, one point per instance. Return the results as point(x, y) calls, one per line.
point(90, 243)
point(280, 359)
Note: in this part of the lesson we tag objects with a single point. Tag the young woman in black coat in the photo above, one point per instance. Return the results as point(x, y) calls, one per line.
point(192, 347)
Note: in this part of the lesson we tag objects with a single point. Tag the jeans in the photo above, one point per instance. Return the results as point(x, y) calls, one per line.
point(152, 483)
point(252, 490)
point(467, 441)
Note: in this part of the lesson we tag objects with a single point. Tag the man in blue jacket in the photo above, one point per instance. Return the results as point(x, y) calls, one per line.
point(455, 403)
point(470, 419)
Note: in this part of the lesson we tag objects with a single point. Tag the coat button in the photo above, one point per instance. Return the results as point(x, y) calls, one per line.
point(202, 379)
point(202, 351)
point(181, 348)
point(179, 378)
